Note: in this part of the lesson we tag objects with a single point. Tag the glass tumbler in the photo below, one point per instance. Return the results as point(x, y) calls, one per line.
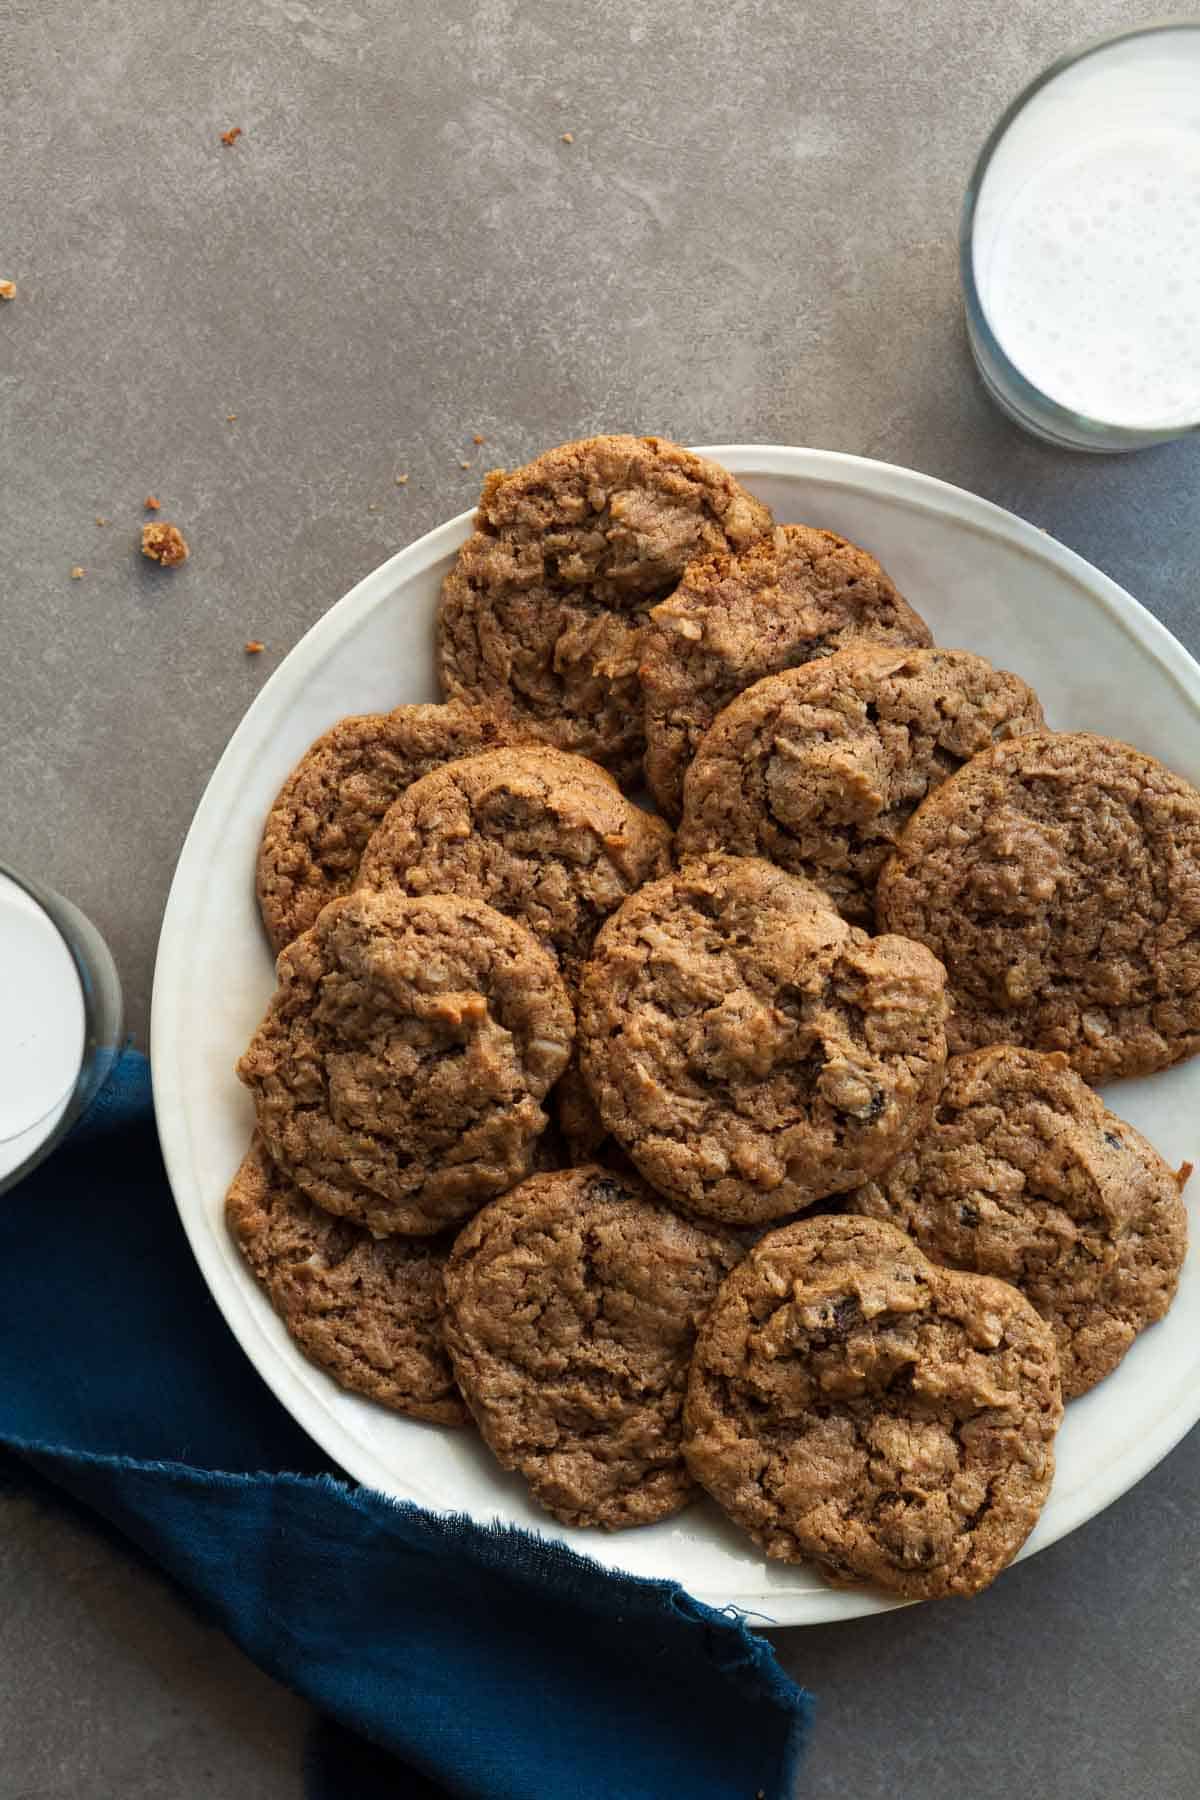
point(60, 1020)
point(1080, 246)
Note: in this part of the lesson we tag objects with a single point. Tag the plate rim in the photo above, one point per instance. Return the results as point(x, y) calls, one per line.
point(831, 469)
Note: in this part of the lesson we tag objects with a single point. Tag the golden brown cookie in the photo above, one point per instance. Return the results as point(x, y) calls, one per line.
point(820, 768)
point(368, 1310)
point(751, 1051)
point(1058, 879)
point(853, 1405)
point(399, 1072)
point(571, 1310)
point(794, 595)
point(326, 810)
point(1023, 1173)
point(541, 615)
point(544, 837)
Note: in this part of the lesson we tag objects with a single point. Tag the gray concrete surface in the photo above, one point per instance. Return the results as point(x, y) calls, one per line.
point(751, 237)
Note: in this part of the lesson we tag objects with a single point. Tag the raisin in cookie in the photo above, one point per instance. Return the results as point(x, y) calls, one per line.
point(571, 1310)
point(750, 1050)
point(545, 837)
point(326, 810)
point(820, 768)
point(399, 1072)
point(735, 617)
point(1058, 878)
point(541, 614)
point(853, 1405)
point(1023, 1173)
point(368, 1310)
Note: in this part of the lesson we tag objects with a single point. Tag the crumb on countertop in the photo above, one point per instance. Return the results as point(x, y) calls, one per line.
point(230, 418)
point(151, 504)
point(402, 481)
point(101, 520)
point(372, 506)
point(464, 465)
point(8, 290)
point(254, 646)
point(229, 138)
point(164, 544)
point(568, 137)
point(479, 438)
point(77, 573)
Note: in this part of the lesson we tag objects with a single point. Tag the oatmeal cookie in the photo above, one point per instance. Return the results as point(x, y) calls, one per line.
point(750, 1050)
point(853, 1405)
point(1058, 879)
point(368, 1310)
point(795, 595)
point(1024, 1173)
point(399, 1072)
point(571, 1309)
point(541, 615)
point(820, 768)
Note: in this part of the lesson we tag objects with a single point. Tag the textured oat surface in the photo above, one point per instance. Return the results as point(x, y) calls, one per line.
point(1024, 1173)
point(852, 1404)
point(572, 1308)
point(326, 810)
point(750, 1050)
point(796, 594)
point(399, 1071)
point(542, 614)
point(368, 1310)
point(1058, 879)
point(820, 768)
point(543, 836)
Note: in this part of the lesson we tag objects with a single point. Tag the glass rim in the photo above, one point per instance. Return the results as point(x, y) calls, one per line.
point(1072, 424)
point(82, 1091)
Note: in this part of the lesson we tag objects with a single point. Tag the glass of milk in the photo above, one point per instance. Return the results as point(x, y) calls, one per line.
point(1080, 246)
point(60, 1020)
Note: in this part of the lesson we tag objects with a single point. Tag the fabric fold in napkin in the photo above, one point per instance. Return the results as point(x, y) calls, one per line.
point(497, 1664)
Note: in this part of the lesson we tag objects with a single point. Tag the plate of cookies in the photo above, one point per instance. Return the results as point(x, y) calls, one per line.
point(676, 1026)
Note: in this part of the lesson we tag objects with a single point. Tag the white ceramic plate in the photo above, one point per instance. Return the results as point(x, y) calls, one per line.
point(986, 581)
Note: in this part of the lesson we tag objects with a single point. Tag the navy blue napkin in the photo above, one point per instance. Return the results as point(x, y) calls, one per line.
point(491, 1662)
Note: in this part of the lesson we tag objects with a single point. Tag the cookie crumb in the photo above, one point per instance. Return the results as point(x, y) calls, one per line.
point(164, 544)
point(8, 290)
point(464, 465)
point(372, 506)
point(77, 573)
point(478, 439)
point(402, 481)
point(101, 520)
point(151, 504)
point(229, 138)
point(253, 646)
point(568, 137)
point(230, 418)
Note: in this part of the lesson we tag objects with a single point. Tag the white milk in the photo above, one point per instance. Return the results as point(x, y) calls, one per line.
point(1087, 236)
point(42, 1026)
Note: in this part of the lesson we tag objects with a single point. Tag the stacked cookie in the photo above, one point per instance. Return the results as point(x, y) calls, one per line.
point(543, 1089)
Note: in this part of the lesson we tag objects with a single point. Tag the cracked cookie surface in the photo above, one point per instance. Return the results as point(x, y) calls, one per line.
point(853, 1405)
point(572, 1305)
point(541, 615)
point(545, 837)
point(339, 791)
point(1058, 879)
point(1024, 1173)
point(796, 594)
point(400, 1068)
point(368, 1310)
point(820, 768)
point(751, 1051)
